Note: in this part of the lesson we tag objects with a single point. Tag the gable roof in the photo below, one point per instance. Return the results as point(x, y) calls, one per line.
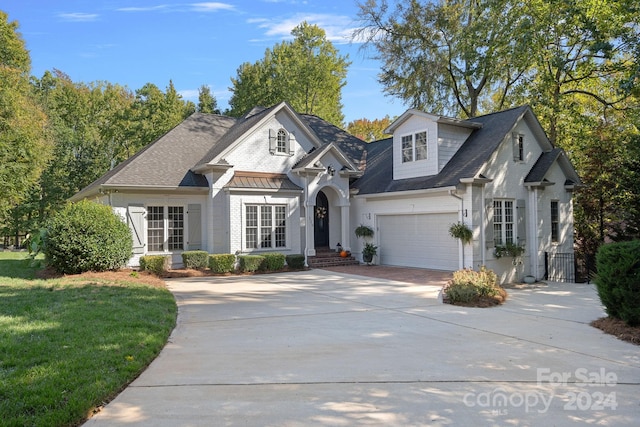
point(540, 169)
point(166, 162)
point(465, 163)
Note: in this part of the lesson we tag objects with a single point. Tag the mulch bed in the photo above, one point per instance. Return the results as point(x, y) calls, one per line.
point(618, 328)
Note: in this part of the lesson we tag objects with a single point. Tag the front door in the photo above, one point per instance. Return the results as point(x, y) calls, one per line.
point(321, 223)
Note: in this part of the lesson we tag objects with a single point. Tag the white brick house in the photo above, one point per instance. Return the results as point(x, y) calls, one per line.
point(276, 180)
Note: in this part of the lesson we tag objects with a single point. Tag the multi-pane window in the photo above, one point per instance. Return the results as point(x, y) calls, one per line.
point(176, 228)
point(265, 226)
point(503, 222)
point(155, 228)
point(281, 142)
point(165, 221)
point(555, 216)
point(414, 147)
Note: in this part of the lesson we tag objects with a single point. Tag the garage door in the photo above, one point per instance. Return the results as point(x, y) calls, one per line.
point(418, 241)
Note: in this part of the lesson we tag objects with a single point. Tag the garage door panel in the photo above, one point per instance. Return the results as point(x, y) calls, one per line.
point(420, 240)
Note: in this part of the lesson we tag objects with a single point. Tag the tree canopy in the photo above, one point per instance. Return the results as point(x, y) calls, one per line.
point(307, 72)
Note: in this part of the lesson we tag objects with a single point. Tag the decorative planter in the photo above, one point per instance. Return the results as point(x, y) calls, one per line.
point(529, 280)
point(367, 258)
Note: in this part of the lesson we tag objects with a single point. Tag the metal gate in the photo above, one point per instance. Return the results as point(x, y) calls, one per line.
point(560, 267)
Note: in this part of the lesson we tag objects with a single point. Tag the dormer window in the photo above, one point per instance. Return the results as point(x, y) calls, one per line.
point(414, 147)
point(281, 142)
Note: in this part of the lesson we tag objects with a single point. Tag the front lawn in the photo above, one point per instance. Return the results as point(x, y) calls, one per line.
point(70, 344)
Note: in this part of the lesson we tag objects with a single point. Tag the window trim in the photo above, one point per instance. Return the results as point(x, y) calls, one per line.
point(500, 208)
point(166, 235)
point(282, 139)
point(412, 139)
point(275, 232)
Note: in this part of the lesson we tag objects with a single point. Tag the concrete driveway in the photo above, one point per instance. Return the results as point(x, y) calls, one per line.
point(322, 348)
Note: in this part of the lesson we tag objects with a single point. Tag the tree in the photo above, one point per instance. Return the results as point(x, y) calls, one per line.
point(306, 72)
point(450, 57)
point(369, 130)
point(24, 147)
point(207, 103)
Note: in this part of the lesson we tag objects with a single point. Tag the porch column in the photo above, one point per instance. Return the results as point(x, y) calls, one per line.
point(346, 228)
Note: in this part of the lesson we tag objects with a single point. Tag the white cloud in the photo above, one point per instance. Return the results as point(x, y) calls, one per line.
point(337, 27)
point(78, 16)
point(143, 9)
point(211, 7)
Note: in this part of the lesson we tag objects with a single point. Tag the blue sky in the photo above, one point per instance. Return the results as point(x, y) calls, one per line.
point(135, 42)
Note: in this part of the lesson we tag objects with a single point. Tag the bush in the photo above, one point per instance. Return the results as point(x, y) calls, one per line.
point(469, 285)
point(195, 259)
point(618, 280)
point(87, 236)
point(250, 263)
point(222, 263)
point(156, 264)
point(295, 261)
point(273, 261)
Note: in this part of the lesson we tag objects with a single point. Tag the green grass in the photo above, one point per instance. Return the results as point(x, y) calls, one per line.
point(68, 346)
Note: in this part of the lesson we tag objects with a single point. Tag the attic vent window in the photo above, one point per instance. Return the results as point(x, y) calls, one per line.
point(281, 142)
point(414, 147)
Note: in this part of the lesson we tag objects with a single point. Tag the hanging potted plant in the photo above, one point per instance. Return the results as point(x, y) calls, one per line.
point(364, 231)
point(462, 232)
point(368, 252)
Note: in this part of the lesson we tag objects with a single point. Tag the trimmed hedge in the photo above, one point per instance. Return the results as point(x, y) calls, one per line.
point(618, 280)
point(222, 263)
point(273, 261)
point(295, 261)
point(195, 259)
point(156, 264)
point(87, 236)
point(468, 285)
point(250, 263)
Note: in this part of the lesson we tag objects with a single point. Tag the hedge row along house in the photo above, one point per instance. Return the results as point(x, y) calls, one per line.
point(276, 180)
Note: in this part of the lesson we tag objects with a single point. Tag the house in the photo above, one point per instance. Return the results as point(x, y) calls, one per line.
point(276, 180)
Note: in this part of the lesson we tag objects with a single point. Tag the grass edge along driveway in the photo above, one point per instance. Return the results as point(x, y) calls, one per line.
point(69, 345)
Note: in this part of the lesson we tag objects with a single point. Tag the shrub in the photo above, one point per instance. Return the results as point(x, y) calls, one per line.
point(156, 264)
point(618, 280)
point(87, 236)
point(273, 261)
point(469, 285)
point(195, 259)
point(250, 263)
point(295, 261)
point(222, 263)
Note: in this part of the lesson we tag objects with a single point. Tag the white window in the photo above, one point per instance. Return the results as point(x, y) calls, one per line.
point(414, 147)
point(265, 226)
point(503, 231)
point(165, 228)
point(281, 143)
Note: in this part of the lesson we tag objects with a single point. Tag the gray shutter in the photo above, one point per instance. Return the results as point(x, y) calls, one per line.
point(291, 143)
point(489, 240)
point(273, 139)
point(135, 220)
point(194, 222)
point(521, 215)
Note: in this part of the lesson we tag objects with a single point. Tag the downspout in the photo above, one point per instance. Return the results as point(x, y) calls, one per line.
point(306, 218)
point(460, 218)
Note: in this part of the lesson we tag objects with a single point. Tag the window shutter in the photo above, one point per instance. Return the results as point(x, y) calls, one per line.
point(135, 220)
point(194, 221)
point(291, 143)
point(521, 213)
point(489, 240)
point(273, 140)
point(516, 149)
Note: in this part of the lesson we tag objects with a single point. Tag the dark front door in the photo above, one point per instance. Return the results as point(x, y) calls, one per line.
point(321, 223)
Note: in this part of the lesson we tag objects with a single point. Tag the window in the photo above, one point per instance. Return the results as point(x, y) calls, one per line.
point(554, 221)
point(518, 147)
point(165, 221)
point(265, 226)
point(503, 222)
point(281, 143)
point(414, 147)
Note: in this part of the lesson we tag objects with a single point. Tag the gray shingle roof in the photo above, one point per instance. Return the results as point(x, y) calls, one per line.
point(542, 165)
point(167, 161)
point(352, 147)
point(466, 163)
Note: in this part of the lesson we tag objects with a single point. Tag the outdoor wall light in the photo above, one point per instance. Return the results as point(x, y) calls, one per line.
point(331, 170)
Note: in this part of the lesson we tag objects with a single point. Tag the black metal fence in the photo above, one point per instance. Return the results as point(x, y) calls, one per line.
point(569, 267)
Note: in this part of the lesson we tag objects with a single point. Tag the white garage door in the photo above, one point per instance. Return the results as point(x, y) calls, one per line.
point(418, 241)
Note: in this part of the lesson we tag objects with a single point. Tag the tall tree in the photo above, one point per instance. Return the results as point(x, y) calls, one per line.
point(369, 130)
point(207, 102)
point(307, 72)
point(447, 56)
point(24, 147)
